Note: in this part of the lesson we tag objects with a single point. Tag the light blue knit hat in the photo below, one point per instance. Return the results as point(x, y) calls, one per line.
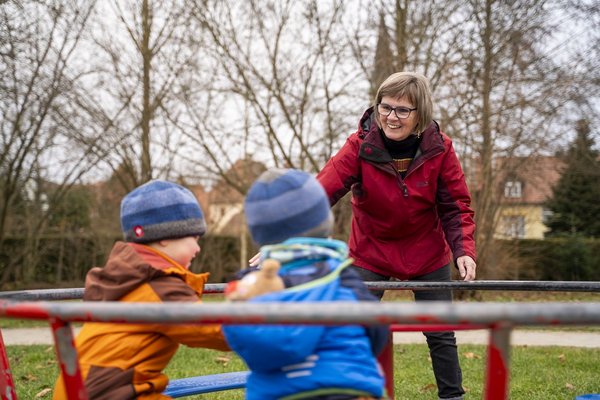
point(285, 203)
point(160, 210)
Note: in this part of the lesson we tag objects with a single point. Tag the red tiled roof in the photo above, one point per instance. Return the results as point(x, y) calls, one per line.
point(537, 175)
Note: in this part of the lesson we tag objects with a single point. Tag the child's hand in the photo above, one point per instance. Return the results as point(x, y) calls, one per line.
point(256, 283)
point(253, 262)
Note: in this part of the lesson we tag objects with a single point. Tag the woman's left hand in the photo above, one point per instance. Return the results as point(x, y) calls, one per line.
point(466, 268)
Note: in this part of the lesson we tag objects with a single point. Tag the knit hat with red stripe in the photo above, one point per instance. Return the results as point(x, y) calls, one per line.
point(160, 210)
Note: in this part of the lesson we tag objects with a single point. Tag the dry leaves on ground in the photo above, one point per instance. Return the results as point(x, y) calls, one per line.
point(223, 360)
point(471, 355)
point(428, 388)
point(43, 393)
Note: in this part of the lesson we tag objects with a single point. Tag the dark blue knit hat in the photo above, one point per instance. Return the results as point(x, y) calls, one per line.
point(284, 203)
point(160, 210)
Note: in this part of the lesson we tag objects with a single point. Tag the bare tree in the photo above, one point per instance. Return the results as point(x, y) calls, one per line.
point(384, 62)
point(37, 81)
point(517, 91)
point(141, 57)
point(280, 88)
point(411, 35)
point(581, 49)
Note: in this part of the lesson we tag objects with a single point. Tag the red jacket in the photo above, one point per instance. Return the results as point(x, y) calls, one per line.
point(402, 227)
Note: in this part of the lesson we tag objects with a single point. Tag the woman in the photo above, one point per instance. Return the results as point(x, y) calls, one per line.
point(411, 214)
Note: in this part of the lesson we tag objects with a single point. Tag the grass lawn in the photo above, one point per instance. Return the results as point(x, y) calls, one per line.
point(536, 372)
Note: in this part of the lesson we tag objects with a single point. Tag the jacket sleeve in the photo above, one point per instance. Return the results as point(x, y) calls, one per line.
point(173, 289)
point(204, 335)
point(454, 206)
point(341, 171)
point(378, 334)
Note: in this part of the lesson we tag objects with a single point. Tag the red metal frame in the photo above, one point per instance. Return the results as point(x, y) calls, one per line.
point(498, 318)
point(497, 369)
point(7, 385)
point(66, 352)
point(496, 386)
point(386, 360)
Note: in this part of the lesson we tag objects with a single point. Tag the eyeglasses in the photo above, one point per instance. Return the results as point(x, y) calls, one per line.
point(401, 112)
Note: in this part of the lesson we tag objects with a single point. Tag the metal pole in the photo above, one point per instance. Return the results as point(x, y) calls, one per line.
point(436, 328)
point(7, 385)
point(386, 360)
point(68, 360)
point(497, 368)
point(212, 288)
point(559, 286)
point(327, 313)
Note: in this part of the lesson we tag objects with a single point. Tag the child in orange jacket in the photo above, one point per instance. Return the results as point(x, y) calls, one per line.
point(161, 223)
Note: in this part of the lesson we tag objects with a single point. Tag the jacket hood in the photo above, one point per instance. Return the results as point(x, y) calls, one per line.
point(128, 267)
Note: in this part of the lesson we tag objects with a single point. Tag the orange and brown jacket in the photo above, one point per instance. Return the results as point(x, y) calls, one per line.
point(125, 361)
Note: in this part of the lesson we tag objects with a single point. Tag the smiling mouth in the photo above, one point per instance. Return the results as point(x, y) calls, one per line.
point(391, 126)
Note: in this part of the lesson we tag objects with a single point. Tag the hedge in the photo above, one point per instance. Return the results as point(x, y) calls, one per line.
point(559, 259)
point(60, 260)
point(65, 259)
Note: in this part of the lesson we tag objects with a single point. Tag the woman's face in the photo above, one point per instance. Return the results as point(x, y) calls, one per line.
point(393, 127)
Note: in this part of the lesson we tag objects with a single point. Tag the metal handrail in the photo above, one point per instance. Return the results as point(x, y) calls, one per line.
point(212, 288)
point(330, 313)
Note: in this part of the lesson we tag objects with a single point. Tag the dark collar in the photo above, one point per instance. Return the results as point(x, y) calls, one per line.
point(373, 148)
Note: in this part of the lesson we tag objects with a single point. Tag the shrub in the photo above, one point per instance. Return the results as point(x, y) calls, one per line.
point(559, 259)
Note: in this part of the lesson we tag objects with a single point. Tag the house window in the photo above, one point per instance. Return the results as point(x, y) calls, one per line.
point(546, 215)
point(513, 189)
point(514, 226)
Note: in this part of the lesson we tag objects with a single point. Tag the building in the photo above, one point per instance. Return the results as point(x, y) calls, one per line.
point(226, 199)
point(525, 185)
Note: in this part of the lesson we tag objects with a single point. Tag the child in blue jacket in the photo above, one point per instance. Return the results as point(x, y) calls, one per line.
point(288, 214)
